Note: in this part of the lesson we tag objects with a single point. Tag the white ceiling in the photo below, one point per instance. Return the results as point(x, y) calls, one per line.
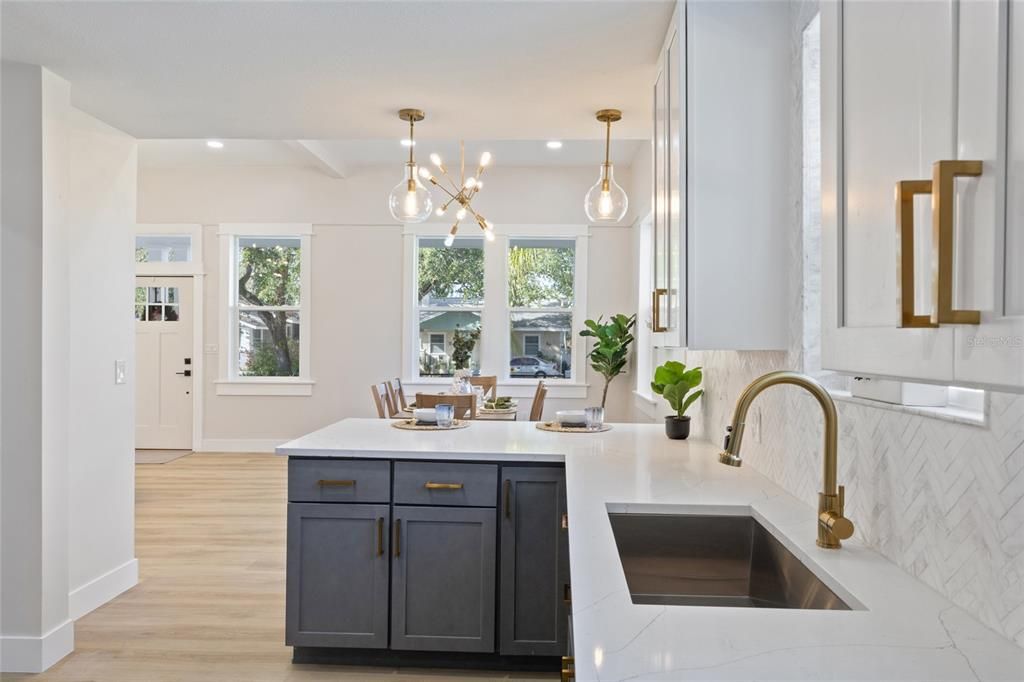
point(485, 70)
point(345, 156)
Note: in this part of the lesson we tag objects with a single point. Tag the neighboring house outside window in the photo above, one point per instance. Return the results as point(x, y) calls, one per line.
point(267, 280)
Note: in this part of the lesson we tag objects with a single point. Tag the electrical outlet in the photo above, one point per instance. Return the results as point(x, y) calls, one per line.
point(120, 371)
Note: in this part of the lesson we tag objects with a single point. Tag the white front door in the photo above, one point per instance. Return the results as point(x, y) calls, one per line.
point(163, 351)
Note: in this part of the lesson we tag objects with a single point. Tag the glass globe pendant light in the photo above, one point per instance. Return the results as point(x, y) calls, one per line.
point(409, 201)
point(606, 202)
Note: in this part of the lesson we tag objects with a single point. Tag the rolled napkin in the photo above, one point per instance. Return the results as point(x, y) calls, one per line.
point(425, 415)
point(571, 417)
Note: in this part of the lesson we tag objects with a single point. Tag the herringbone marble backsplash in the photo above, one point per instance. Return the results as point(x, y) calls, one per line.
point(943, 500)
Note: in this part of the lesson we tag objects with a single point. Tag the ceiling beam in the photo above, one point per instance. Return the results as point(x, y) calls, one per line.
point(321, 157)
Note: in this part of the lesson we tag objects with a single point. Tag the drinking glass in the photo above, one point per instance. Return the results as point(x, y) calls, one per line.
point(594, 417)
point(445, 415)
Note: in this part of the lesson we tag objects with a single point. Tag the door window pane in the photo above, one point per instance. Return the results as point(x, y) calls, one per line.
point(151, 248)
point(268, 343)
point(541, 344)
point(450, 276)
point(448, 340)
point(268, 271)
point(541, 272)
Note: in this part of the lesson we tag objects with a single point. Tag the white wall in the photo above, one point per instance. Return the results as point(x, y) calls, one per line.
point(357, 277)
point(101, 456)
point(33, 395)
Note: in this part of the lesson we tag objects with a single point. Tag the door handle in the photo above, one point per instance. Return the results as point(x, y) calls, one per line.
point(186, 373)
point(398, 537)
point(380, 536)
point(944, 174)
point(656, 310)
point(906, 190)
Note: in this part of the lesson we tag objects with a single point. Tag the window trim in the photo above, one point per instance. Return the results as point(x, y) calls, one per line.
point(495, 350)
point(229, 382)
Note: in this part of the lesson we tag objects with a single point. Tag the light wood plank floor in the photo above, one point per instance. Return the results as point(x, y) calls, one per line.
point(210, 538)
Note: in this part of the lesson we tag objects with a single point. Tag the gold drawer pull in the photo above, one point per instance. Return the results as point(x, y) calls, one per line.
point(336, 482)
point(568, 668)
point(656, 310)
point(430, 485)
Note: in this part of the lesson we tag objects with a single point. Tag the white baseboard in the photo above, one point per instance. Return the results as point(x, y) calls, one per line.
point(98, 592)
point(241, 444)
point(19, 654)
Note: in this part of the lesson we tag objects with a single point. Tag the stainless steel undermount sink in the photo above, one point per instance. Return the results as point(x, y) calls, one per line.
point(703, 560)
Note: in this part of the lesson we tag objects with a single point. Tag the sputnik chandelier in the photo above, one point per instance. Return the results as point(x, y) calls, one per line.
point(410, 201)
point(461, 193)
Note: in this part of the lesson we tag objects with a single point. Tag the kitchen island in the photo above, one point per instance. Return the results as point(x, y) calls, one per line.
point(896, 627)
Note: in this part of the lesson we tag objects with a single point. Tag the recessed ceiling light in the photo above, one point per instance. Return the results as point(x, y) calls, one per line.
point(554, 144)
point(214, 144)
point(408, 143)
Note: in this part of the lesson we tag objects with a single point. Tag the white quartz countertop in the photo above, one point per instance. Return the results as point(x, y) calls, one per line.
point(899, 629)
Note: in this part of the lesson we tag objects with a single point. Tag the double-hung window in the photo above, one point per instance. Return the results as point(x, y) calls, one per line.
point(449, 303)
point(266, 278)
point(541, 294)
point(512, 308)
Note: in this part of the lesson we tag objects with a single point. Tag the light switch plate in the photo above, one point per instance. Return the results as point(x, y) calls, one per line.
point(120, 371)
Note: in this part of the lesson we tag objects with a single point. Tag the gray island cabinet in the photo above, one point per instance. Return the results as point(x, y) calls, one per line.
point(419, 562)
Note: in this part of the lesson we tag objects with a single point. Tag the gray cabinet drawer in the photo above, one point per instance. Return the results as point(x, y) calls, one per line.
point(446, 484)
point(339, 480)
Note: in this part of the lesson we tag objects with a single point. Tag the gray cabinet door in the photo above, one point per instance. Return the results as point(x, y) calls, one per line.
point(337, 594)
point(534, 561)
point(443, 581)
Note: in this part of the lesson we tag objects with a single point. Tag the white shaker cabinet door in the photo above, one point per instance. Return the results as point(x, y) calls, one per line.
point(989, 217)
point(888, 113)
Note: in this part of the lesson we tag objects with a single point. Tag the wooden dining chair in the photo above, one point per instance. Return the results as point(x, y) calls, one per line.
point(397, 394)
point(537, 408)
point(489, 384)
point(381, 399)
point(465, 404)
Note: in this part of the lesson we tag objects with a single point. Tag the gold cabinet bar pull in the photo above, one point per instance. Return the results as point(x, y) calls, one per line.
point(656, 310)
point(568, 668)
point(508, 499)
point(906, 190)
point(944, 174)
point(430, 485)
point(336, 482)
point(380, 536)
point(398, 537)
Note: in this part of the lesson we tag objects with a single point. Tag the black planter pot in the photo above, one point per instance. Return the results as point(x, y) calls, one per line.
point(677, 428)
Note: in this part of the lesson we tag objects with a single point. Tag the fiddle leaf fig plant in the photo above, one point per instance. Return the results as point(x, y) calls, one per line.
point(674, 381)
point(611, 351)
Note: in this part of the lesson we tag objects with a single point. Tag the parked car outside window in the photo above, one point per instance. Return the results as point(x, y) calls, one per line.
point(532, 367)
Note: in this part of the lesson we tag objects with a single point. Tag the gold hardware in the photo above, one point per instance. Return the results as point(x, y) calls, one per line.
point(568, 668)
point(833, 527)
point(944, 174)
point(411, 115)
point(508, 499)
point(463, 193)
point(430, 485)
point(336, 483)
point(567, 593)
point(565, 521)
point(656, 307)
point(398, 537)
point(906, 190)
point(380, 536)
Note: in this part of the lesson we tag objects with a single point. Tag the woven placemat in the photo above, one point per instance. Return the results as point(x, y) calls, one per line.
point(411, 425)
point(558, 428)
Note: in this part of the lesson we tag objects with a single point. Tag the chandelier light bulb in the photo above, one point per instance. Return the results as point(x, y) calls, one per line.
point(470, 183)
point(461, 214)
point(450, 239)
point(424, 173)
point(489, 233)
point(485, 159)
point(436, 160)
point(439, 212)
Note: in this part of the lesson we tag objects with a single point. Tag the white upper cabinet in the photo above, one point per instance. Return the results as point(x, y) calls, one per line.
point(721, 205)
point(906, 85)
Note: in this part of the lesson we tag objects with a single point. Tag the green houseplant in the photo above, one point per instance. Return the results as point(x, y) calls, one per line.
point(611, 350)
point(674, 382)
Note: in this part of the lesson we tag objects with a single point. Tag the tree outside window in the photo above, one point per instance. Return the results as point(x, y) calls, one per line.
point(450, 298)
point(268, 306)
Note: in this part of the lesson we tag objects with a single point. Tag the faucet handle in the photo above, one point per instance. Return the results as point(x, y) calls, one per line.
point(728, 438)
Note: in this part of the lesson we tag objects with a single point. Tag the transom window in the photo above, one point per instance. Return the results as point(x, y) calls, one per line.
point(163, 248)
